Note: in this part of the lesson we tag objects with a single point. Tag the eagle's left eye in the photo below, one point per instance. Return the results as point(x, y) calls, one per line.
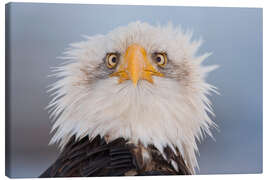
point(160, 59)
point(111, 60)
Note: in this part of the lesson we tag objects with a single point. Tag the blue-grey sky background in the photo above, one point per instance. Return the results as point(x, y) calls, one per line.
point(41, 32)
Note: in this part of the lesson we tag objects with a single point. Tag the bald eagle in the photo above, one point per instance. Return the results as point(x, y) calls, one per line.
point(132, 102)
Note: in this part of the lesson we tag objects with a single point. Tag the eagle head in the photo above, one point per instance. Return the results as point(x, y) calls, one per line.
point(140, 82)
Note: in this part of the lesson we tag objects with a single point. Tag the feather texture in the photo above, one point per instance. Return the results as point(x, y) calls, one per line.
point(83, 158)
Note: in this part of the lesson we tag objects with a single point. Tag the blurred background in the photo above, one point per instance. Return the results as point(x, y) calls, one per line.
point(38, 33)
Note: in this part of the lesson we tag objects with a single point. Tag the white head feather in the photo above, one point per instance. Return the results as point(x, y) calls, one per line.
point(171, 112)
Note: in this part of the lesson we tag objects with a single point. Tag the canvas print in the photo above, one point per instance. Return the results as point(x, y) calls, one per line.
point(117, 90)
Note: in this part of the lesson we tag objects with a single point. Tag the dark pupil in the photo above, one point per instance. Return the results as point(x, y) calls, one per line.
point(158, 59)
point(114, 59)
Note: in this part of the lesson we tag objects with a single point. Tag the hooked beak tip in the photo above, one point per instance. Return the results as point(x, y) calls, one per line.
point(135, 82)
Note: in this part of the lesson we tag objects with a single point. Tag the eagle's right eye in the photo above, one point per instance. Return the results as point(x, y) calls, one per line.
point(161, 59)
point(111, 60)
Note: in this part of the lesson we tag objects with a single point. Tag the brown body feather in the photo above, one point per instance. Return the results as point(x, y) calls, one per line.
point(82, 158)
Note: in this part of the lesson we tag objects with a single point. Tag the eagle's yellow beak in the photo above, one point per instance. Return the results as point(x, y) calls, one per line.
point(136, 66)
